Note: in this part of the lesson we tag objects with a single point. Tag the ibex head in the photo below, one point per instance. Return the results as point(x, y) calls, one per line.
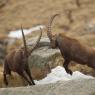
point(51, 37)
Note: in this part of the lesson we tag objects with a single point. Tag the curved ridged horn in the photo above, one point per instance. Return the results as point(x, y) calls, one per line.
point(24, 41)
point(37, 42)
point(49, 34)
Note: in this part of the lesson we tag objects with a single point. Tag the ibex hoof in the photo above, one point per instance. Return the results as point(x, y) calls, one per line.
point(70, 72)
point(33, 83)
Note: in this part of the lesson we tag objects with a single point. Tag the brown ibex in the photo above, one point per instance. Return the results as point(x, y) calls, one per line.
point(71, 49)
point(17, 61)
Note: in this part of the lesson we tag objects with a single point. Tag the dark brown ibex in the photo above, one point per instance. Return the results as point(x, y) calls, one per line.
point(71, 49)
point(17, 61)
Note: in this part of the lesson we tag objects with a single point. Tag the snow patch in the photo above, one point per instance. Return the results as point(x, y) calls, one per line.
point(18, 34)
point(59, 74)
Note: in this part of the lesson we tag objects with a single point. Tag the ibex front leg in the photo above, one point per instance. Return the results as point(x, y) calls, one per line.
point(65, 65)
point(23, 74)
point(29, 74)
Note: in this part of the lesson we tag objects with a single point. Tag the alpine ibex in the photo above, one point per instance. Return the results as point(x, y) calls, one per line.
point(17, 61)
point(71, 49)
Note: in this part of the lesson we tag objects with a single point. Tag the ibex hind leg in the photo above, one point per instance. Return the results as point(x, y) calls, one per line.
point(5, 79)
point(6, 72)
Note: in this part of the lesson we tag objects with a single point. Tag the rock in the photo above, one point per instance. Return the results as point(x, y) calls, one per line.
point(74, 87)
point(43, 58)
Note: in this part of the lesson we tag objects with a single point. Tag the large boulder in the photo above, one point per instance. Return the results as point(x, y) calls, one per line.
point(43, 58)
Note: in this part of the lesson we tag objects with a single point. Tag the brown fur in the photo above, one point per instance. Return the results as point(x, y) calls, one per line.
point(72, 50)
point(17, 61)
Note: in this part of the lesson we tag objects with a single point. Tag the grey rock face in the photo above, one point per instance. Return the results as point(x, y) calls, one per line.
point(44, 54)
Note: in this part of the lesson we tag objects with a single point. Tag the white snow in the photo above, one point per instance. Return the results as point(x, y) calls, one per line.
point(59, 74)
point(18, 34)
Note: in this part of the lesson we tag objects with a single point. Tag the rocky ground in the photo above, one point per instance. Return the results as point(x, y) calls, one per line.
point(76, 87)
